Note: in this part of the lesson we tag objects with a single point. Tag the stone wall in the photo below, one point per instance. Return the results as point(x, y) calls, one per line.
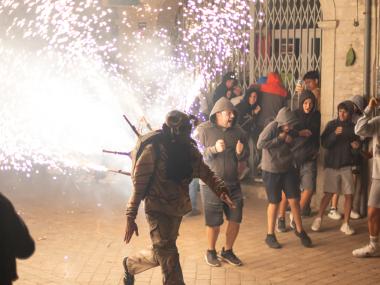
point(338, 81)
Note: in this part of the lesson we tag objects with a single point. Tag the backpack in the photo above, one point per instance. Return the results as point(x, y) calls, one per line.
point(153, 138)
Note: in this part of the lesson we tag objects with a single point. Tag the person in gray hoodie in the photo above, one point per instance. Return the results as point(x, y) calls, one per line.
point(223, 144)
point(368, 127)
point(305, 149)
point(279, 173)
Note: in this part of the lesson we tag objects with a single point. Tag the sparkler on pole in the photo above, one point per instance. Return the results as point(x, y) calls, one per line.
point(117, 152)
point(120, 172)
point(132, 126)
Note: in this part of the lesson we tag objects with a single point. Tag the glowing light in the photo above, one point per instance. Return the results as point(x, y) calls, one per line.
point(214, 31)
point(69, 73)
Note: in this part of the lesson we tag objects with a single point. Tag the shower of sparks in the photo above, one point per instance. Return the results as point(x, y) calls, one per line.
point(69, 72)
point(215, 35)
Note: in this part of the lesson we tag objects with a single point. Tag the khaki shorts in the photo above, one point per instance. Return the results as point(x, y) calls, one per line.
point(308, 175)
point(374, 194)
point(339, 181)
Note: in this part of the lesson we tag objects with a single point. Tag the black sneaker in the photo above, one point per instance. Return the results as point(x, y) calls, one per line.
point(280, 226)
point(192, 213)
point(129, 279)
point(272, 242)
point(305, 240)
point(212, 258)
point(230, 257)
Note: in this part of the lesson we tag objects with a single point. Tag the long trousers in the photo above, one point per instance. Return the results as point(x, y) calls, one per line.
point(163, 252)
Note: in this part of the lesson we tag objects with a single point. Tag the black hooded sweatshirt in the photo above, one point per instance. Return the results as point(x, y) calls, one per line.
point(221, 89)
point(307, 148)
point(246, 117)
point(339, 151)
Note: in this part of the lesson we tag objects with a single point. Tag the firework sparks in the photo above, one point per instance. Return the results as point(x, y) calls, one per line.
point(69, 73)
point(214, 34)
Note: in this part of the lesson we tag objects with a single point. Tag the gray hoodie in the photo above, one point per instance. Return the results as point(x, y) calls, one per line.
point(277, 156)
point(370, 127)
point(224, 164)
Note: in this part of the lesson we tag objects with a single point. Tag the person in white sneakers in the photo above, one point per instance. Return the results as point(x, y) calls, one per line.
point(358, 105)
point(371, 128)
point(342, 145)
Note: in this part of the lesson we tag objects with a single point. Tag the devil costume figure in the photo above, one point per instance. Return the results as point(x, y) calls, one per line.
point(161, 173)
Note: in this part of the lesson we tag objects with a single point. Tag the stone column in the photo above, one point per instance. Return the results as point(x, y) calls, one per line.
point(328, 27)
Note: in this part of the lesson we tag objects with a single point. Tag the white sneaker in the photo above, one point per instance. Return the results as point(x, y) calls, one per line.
point(345, 228)
point(367, 251)
point(244, 173)
point(334, 214)
point(354, 215)
point(258, 179)
point(292, 223)
point(316, 225)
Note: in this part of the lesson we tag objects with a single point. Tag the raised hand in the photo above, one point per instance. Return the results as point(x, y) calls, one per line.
point(239, 147)
point(373, 103)
point(220, 145)
point(355, 144)
point(305, 133)
point(257, 110)
point(226, 199)
point(339, 130)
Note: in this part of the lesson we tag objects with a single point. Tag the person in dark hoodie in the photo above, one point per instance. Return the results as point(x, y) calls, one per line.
point(228, 81)
point(358, 105)
point(342, 145)
point(15, 241)
point(224, 143)
point(247, 110)
point(279, 175)
point(305, 151)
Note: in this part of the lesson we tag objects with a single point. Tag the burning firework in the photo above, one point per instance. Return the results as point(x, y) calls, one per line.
point(69, 73)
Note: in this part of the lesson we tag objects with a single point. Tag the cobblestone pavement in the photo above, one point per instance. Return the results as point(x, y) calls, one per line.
point(79, 236)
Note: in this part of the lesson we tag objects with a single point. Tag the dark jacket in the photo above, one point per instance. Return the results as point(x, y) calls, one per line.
point(339, 151)
point(272, 98)
point(15, 241)
point(307, 148)
point(162, 194)
point(224, 164)
point(221, 89)
point(277, 155)
point(246, 116)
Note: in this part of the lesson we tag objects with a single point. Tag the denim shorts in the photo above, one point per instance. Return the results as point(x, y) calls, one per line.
point(275, 183)
point(214, 208)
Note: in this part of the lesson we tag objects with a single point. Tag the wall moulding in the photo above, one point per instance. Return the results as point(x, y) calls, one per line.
point(328, 25)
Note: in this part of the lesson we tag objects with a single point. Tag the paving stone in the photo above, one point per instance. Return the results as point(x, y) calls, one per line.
point(82, 243)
